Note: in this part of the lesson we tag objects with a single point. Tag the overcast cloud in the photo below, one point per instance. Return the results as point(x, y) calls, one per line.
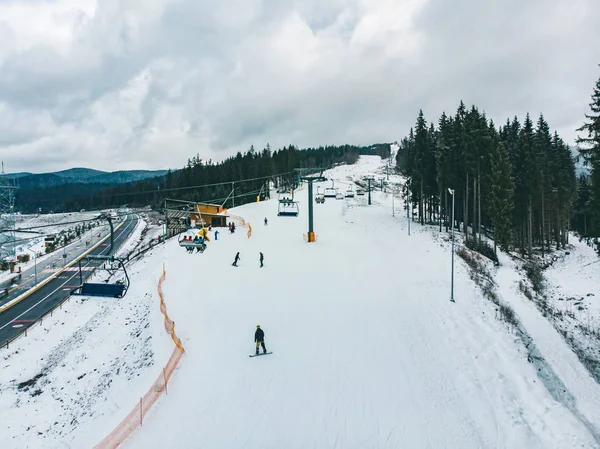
point(130, 84)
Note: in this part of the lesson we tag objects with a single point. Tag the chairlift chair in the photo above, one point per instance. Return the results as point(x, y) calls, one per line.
point(350, 193)
point(106, 290)
point(339, 196)
point(330, 192)
point(191, 244)
point(287, 208)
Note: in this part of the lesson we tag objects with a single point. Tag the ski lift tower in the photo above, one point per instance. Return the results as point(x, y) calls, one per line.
point(369, 179)
point(7, 218)
point(310, 178)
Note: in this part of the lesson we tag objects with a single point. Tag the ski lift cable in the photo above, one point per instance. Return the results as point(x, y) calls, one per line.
point(174, 189)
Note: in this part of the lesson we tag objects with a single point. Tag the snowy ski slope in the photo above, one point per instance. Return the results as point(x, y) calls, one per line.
point(368, 350)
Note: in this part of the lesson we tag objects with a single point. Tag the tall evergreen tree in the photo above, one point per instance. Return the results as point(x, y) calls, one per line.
point(591, 155)
point(501, 193)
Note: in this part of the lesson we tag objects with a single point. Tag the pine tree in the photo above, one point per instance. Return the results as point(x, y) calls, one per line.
point(545, 161)
point(591, 155)
point(421, 150)
point(501, 200)
point(582, 207)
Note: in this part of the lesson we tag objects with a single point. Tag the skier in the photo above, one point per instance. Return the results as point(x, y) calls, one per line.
point(261, 259)
point(237, 257)
point(216, 235)
point(266, 222)
point(259, 338)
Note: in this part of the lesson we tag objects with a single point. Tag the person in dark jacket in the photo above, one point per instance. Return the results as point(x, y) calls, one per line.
point(259, 339)
point(237, 257)
point(261, 259)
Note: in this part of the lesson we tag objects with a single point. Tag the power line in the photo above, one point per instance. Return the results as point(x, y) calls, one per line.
point(175, 189)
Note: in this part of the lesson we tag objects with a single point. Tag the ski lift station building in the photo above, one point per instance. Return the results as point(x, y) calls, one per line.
point(208, 214)
point(195, 215)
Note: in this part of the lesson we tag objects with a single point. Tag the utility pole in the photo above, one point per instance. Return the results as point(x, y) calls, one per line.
point(452, 281)
point(35, 264)
point(166, 221)
point(7, 221)
point(233, 196)
point(310, 179)
point(369, 179)
point(408, 204)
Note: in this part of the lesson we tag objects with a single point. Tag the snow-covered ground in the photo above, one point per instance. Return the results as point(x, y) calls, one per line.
point(53, 223)
point(75, 369)
point(574, 283)
point(368, 351)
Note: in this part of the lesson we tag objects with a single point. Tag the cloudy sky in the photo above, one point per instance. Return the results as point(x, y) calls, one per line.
point(130, 84)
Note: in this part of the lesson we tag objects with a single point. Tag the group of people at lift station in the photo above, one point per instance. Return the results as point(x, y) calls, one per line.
point(197, 242)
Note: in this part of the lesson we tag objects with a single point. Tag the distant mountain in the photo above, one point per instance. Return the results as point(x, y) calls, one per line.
point(123, 176)
point(27, 181)
point(78, 174)
point(17, 175)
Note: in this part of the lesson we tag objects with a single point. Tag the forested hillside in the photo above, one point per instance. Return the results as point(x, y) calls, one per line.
point(516, 182)
point(199, 180)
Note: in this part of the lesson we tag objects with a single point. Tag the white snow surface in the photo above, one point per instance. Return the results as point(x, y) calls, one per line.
point(90, 359)
point(574, 282)
point(368, 351)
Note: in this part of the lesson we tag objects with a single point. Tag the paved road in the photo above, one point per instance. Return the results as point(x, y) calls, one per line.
point(27, 312)
point(50, 264)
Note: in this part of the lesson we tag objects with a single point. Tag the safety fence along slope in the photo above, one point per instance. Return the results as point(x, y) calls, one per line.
point(135, 418)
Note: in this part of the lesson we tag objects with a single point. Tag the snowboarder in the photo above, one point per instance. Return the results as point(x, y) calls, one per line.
point(237, 258)
point(266, 221)
point(259, 339)
point(261, 259)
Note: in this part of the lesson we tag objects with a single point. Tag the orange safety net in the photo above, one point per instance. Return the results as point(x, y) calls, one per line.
point(240, 220)
point(135, 417)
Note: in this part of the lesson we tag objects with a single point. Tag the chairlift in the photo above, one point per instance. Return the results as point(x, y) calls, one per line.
point(350, 193)
point(287, 208)
point(330, 192)
point(198, 244)
point(339, 196)
point(116, 290)
point(360, 192)
point(320, 199)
